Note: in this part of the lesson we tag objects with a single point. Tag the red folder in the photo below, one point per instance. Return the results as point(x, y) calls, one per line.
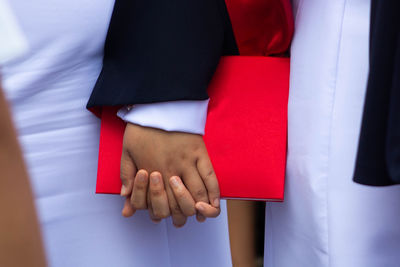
point(246, 130)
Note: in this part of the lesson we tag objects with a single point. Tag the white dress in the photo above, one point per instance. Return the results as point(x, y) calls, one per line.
point(326, 219)
point(48, 89)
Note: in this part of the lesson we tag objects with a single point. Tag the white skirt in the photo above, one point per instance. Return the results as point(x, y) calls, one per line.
point(327, 219)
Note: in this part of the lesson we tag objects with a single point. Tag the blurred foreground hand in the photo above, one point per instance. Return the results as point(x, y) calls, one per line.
point(20, 241)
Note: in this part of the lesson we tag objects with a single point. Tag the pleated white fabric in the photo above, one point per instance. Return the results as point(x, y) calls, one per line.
point(326, 219)
point(48, 89)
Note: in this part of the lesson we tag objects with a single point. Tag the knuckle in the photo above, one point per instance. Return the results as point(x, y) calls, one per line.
point(133, 202)
point(214, 193)
point(139, 205)
point(139, 187)
point(169, 162)
point(156, 192)
point(210, 175)
point(197, 147)
point(183, 157)
point(170, 170)
point(179, 193)
point(176, 210)
point(200, 193)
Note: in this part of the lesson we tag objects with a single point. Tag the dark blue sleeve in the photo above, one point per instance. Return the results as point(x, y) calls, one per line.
point(162, 50)
point(378, 159)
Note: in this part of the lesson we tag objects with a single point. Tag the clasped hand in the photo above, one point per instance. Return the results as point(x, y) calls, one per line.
point(181, 183)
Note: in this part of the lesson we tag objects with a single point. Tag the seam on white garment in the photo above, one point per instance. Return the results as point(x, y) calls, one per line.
point(331, 127)
point(167, 233)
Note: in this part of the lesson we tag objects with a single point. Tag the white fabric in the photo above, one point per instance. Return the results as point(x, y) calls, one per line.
point(12, 42)
point(180, 116)
point(48, 89)
point(326, 219)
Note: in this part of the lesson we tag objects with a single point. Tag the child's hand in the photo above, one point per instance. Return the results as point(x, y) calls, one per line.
point(174, 155)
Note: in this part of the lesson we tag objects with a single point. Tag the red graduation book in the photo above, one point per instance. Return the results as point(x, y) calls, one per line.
point(246, 130)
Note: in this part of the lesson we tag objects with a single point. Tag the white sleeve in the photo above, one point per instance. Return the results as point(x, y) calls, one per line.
point(12, 42)
point(180, 116)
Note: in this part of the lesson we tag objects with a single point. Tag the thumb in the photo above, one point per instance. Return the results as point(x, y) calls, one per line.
point(128, 210)
point(207, 210)
point(127, 174)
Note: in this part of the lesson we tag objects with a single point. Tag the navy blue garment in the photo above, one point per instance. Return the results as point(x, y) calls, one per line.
point(378, 159)
point(161, 50)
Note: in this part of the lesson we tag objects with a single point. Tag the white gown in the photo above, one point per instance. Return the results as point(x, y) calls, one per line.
point(326, 219)
point(48, 89)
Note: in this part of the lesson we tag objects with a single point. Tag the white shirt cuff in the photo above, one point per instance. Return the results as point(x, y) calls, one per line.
point(180, 116)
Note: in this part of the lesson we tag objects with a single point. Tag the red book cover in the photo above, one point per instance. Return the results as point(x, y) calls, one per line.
point(246, 130)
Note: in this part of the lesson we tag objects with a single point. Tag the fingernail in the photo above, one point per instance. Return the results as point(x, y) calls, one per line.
point(175, 182)
point(200, 207)
point(141, 177)
point(124, 190)
point(216, 202)
point(155, 179)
